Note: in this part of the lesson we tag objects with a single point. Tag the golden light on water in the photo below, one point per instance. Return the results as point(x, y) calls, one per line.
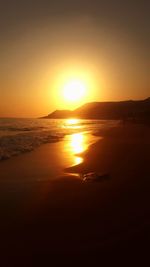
point(78, 143)
point(78, 160)
point(71, 122)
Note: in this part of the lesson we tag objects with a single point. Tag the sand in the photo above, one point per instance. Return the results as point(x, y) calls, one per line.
point(63, 220)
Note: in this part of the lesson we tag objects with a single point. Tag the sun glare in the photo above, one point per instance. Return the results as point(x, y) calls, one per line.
point(73, 87)
point(74, 90)
point(71, 122)
point(78, 143)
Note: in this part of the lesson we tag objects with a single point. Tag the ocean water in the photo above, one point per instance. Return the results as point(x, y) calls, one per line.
point(18, 136)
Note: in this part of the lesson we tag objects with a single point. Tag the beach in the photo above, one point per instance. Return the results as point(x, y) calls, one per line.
point(67, 219)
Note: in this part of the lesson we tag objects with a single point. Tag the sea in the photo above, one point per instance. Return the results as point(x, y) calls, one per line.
point(18, 136)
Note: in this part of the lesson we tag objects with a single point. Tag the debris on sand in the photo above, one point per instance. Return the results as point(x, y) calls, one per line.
point(95, 177)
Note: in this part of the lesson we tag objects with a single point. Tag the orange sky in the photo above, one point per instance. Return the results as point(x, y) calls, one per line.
point(107, 50)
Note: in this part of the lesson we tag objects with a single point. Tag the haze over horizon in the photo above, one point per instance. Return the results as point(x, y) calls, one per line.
point(44, 44)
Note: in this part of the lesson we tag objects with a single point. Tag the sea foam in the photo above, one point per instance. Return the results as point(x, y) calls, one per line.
point(18, 136)
point(17, 144)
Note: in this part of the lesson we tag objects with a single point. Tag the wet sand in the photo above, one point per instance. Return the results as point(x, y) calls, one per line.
point(68, 221)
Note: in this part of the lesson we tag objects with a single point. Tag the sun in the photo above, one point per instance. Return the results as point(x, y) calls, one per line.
point(72, 86)
point(74, 90)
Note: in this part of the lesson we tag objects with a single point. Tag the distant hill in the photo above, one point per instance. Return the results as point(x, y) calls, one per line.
point(59, 114)
point(130, 109)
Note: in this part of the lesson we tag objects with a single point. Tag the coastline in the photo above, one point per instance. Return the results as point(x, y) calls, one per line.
point(69, 218)
point(114, 148)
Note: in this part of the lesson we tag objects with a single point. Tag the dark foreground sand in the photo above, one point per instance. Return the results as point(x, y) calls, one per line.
point(69, 222)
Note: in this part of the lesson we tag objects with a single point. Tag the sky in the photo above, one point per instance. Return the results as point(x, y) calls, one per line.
point(45, 43)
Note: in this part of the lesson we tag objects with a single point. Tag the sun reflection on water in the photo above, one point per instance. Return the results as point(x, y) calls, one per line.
point(78, 160)
point(77, 142)
point(73, 124)
point(72, 121)
point(77, 145)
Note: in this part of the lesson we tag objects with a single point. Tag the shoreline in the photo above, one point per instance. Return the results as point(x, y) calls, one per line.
point(67, 217)
point(129, 133)
point(44, 164)
point(110, 139)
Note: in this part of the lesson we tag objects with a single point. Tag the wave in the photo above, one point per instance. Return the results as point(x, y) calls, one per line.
point(20, 129)
point(21, 143)
point(18, 136)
